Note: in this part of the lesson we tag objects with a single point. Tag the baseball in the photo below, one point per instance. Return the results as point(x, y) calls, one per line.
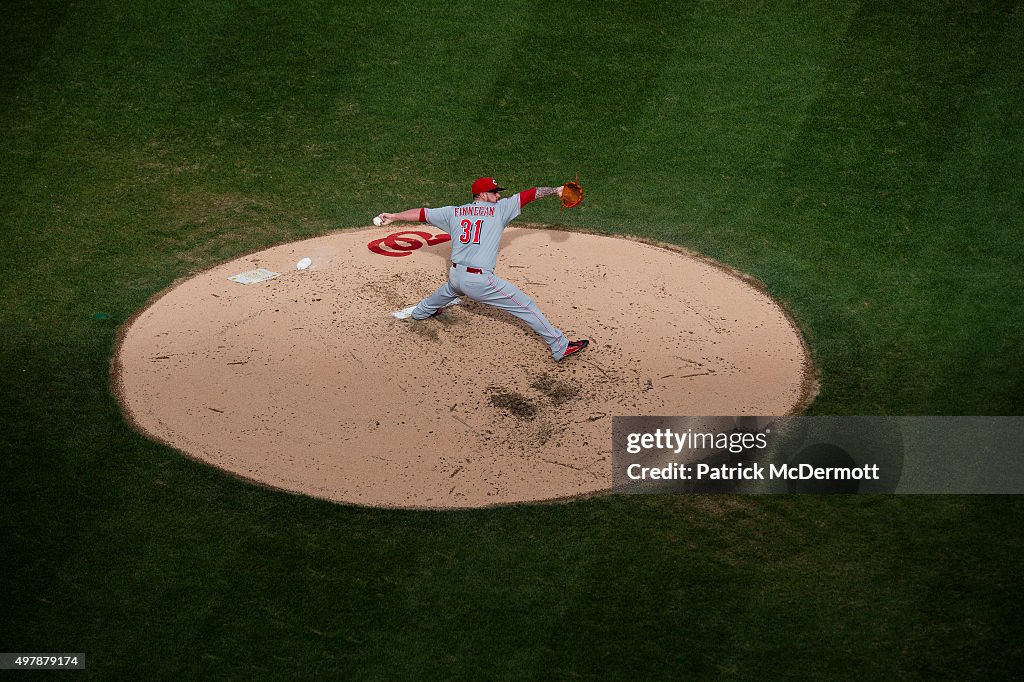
point(303, 264)
point(377, 221)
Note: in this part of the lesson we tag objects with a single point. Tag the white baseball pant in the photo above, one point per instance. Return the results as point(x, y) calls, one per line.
point(486, 287)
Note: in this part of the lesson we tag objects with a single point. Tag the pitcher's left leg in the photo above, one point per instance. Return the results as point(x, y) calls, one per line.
point(444, 295)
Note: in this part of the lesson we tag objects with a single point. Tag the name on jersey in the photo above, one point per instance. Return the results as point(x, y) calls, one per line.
point(474, 210)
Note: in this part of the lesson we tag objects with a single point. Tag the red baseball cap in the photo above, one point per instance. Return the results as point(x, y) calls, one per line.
point(486, 185)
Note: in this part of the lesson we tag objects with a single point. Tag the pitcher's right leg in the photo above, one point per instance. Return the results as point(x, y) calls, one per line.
point(495, 291)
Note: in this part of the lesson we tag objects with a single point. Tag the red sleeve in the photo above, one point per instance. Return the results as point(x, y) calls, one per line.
point(423, 215)
point(527, 196)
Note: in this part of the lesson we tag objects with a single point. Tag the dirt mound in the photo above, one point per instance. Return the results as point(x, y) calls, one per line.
point(306, 382)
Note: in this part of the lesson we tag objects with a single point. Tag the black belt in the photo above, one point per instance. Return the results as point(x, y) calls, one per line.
point(475, 271)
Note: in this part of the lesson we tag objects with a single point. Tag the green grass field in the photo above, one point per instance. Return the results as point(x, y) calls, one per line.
point(865, 160)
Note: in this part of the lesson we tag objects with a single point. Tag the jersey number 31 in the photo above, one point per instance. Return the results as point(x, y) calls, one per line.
point(471, 231)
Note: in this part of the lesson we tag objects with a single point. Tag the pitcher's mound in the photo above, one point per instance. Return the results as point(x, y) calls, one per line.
point(306, 382)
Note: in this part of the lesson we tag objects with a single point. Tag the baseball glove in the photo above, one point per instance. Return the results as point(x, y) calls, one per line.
point(572, 194)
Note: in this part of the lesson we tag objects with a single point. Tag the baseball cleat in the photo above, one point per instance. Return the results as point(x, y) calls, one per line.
point(574, 347)
point(406, 313)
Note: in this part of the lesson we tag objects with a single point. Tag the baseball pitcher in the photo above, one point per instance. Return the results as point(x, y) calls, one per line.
point(476, 230)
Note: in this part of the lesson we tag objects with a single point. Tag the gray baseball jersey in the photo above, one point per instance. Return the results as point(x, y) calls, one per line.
point(476, 229)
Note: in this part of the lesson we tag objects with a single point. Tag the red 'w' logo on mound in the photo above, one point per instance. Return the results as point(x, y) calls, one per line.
point(404, 243)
